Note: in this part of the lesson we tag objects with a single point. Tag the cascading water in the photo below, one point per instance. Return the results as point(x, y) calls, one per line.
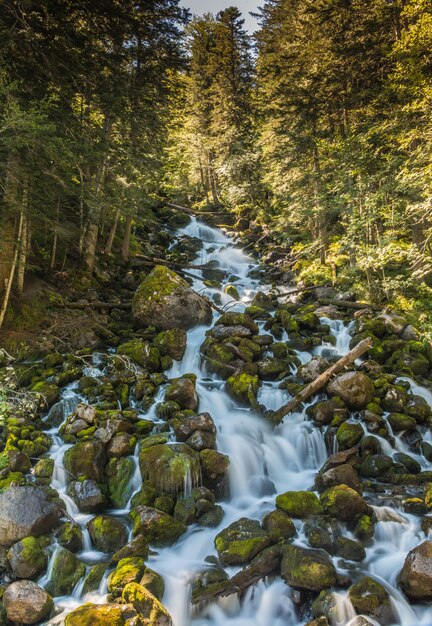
point(264, 462)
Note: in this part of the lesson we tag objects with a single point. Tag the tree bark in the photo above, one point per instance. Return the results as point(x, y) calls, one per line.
point(322, 380)
point(12, 271)
point(127, 238)
point(111, 237)
point(54, 246)
point(22, 254)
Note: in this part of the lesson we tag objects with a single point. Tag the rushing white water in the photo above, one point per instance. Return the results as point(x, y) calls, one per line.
point(264, 462)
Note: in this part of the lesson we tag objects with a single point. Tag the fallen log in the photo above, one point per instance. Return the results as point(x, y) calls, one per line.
point(301, 289)
point(321, 381)
point(193, 211)
point(345, 304)
point(94, 305)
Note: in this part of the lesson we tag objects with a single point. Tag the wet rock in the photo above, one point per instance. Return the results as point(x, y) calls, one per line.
point(343, 503)
point(350, 549)
point(278, 525)
point(172, 343)
point(26, 511)
point(243, 388)
point(26, 603)
point(97, 615)
point(349, 457)
point(319, 536)
point(238, 319)
point(411, 465)
point(418, 408)
point(87, 495)
point(166, 301)
point(266, 563)
point(342, 474)
point(241, 541)
point(158, 527)
point(146, 604)
point(94, 577)
point(320, 621)
point(214, 467)
point(211, 583)
point(168, 466)
point(349, 434)
point(122, 444)
point(226, 332)
point(312, 369)
point(138, 547)
point(66, 571)
point(86, 459)
point(399, 422)
point(108, 534)
point(119, 474)
point(307, 569)
point(370, 598)
point(182, 391)
point(375, 465)
point(355, 389)
point(27, 558)
point(154, 582)
point(365, 527)
point(415, 577)
point(299, 504)
point(324, 411)
point(129, 570)
point(69, 536)
point(142, 352)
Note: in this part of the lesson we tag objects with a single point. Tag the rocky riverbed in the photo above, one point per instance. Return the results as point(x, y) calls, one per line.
point(147, 481)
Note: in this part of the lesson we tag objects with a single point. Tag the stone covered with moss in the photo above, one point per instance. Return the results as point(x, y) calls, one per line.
point(241, 541)
point(303, 568)
point(299, 504)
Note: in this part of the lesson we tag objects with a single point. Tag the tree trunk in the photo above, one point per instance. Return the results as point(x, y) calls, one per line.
point(22, 254)
point(111, 237)
point(54, 246)
point(322, 380)
point(127, 238)
point(12, 272)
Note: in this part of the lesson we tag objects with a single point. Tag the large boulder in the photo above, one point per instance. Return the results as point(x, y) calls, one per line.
point(27, 558)
point(355, 389)
point(169, 466)
point(370, 598)
point(26, 511)
point(307, 569)
point(241, 541)
point(26, 603)
point(108, 534)
point(166, 300)
point(158, 527)
point(343, 503)
point(86, 459)
point(98, 615)
point(416, 574)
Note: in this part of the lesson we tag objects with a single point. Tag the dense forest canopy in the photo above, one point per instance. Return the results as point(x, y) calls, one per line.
point(319, 128)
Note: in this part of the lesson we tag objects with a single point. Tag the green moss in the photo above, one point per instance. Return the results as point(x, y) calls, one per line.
point(343, 503)
point(127, 571)
point(96, 615)
point(66, 571)
point(365, 528)
point(243, 387)
point(119, 474)
point(348, 435)
point(167, 466)
point(240, 542)
point(299, 504)
point(142, 353)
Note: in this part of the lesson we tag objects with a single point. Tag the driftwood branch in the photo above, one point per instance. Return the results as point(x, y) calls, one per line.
point(322, 379)
point(345, 304)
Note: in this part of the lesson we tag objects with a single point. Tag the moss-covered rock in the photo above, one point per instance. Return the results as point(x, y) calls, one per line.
point(27, 558)
point(241, 541)
point(87, 495)
point(146, 604)
point(307, 569)
point(165, 300)
point(66, 571)
point(108, 534)
point(136, 547)
point(299, 504)
point(278, 525)
point(158, 527)
point(97, 615)
point(348, 434)
point(129, 570)
point(399, 422)
point(86, 459)
point(214, 468)
point(343, 503)
point(172, 343)
point(350, 549)
point(94, 577)
point(243, 388)
point(183, 392)
point(169, 466)
point(232, 318)
point(119, 474)
point(142, 353)
point(375, 465)
point(370, 598)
